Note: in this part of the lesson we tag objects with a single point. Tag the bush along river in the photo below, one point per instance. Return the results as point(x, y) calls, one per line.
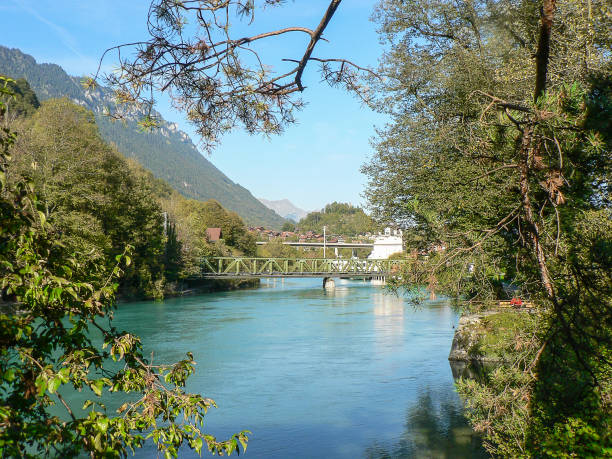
point(348, 373)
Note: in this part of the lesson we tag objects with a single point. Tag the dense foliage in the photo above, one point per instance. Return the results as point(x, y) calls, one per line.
point(48, 347)
point(166, 151)
point(499, 151)
point(276, 249)
point(288, 226)
point(24, 101)
point(90, 197)
point(191, 219)
point(340, 219)
point(98, 202)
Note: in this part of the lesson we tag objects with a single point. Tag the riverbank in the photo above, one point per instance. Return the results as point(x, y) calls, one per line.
point(193, 287)
point(480, 339)
point(218, 285)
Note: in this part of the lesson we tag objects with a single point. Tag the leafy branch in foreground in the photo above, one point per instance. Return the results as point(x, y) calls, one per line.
point(215, 72)
point(50, 345)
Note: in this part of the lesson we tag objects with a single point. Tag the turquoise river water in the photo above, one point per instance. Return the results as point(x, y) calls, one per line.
point(349, 373)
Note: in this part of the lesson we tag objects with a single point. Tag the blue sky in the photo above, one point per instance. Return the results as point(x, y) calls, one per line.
point(314, 162)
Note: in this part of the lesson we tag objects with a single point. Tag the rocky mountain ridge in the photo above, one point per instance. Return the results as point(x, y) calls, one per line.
point(285, 208)
point(166, 151)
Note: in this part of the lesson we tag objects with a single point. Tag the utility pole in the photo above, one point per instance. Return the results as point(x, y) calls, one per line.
point(324, 238)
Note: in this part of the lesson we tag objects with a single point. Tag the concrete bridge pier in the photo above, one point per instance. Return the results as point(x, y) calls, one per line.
point(329, 283)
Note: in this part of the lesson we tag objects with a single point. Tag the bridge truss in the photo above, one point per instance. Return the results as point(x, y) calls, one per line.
point(236, 267)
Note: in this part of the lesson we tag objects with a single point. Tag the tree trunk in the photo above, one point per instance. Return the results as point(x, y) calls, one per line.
point(533, 228)
point(542, 56)
point(543, 52)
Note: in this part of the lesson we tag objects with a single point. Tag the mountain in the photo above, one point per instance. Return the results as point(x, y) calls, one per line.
point(285, 208)
point(167, 152)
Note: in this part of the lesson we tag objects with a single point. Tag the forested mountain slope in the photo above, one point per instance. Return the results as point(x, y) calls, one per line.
point(168, 152)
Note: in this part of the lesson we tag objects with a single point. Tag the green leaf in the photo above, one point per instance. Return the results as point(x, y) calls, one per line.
point(63, 374)
point(54, 384)
point(98, 442)
point(198, 444)
point(96, 387)
point(9, 375)
point(244, 439)
point(102, 424)
point(41, 385)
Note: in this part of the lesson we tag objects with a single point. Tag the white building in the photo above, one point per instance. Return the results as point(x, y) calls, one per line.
point(387, 244)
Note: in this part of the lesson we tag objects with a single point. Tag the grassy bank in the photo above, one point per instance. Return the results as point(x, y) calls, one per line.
point(486, 337)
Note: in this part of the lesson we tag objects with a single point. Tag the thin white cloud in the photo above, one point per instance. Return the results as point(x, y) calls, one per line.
point(66, 38)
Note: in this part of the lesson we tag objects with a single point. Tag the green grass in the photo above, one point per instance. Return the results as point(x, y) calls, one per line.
point(499, 333)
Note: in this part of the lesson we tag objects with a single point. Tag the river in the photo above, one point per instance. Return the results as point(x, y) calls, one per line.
point(349, 373)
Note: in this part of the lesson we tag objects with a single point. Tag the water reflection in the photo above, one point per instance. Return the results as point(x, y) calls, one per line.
point(388, 320)
point(472, 370)
point(435, 428)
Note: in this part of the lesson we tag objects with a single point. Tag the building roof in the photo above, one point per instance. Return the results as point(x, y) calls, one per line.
point(213, 234)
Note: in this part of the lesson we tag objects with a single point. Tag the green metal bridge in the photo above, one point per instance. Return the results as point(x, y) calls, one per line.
point(241, 267)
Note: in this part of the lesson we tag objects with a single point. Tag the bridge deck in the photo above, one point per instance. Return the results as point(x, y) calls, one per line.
point(338, 245)
point(241, 267)
point(291, 275)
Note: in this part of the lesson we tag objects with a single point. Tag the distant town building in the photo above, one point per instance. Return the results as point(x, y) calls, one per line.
point(213, 234)
point(388, 244)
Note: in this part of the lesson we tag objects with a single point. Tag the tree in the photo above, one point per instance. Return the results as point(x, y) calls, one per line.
point(288, 226)
point(92, 198)
point(46, 345)
point(23, 101)
point(191, 218)
point(340, 218)
point(173, 258)
point(276, 249)
point(500, 151)
point(214, 72)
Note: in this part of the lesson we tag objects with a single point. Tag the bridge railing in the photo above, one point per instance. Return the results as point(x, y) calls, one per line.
point(244, 266)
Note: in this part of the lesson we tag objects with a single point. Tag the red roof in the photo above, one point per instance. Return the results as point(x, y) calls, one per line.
point(213, 234)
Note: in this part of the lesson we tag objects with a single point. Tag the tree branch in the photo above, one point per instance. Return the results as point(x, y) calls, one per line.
point(331, 9)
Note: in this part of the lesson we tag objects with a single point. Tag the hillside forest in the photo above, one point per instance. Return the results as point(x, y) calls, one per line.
point(98, 202)
point(340, 219)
